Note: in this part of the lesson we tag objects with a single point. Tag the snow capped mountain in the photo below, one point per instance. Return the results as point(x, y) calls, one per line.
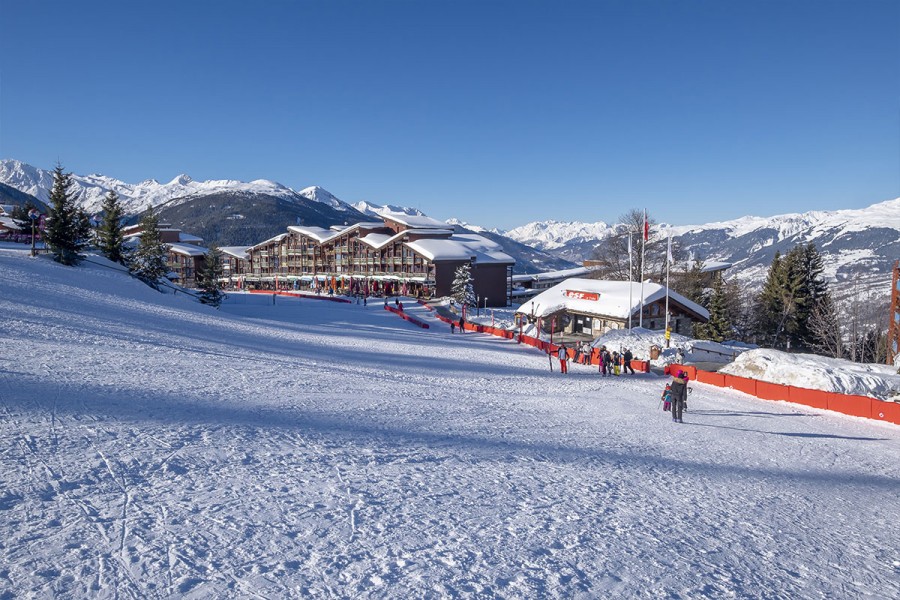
point(377, 210)
point(89, 190)
point(317, 194)
point(551, 235)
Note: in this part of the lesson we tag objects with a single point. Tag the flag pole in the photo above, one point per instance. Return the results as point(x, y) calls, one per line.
point(630, 282)
point(669, 260)
point(643, 253)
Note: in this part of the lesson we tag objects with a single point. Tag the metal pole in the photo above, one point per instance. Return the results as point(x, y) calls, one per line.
point(630, 282)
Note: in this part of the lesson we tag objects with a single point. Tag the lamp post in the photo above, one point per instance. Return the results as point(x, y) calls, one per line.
point(34, 215)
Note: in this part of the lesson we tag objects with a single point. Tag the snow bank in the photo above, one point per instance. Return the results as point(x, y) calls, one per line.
point(818, 373)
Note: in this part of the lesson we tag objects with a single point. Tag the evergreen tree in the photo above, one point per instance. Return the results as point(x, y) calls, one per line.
point(149, 260)
point(110, 240)
point(209, 278)
point(462, 289)
point(68, 228)
point(813, 292)
point(718, 328)
point(777, 304)
point(690, 284)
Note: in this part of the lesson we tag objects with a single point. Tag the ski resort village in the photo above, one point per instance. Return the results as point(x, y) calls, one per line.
point(399, 407)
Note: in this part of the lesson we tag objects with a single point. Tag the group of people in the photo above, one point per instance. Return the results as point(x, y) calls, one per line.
point(610, 363)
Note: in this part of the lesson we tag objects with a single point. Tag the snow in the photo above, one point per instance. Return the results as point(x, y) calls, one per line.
point(818, 373)
point(461, 247)
point(155, 447)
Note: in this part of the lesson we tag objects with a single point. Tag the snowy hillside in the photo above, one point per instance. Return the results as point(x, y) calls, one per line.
point(156, 448)
point(89, 190)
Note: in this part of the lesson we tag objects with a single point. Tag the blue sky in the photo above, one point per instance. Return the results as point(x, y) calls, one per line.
point(497, 113)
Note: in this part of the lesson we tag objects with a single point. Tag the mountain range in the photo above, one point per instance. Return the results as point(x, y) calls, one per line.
point(859, 247)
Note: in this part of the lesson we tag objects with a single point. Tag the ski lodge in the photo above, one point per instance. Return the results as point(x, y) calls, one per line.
point(591, 307)
point(410, 255)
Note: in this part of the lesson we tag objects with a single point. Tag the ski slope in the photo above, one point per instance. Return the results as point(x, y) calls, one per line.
point(151, 447)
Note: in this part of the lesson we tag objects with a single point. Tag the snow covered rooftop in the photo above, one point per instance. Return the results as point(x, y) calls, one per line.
point(612, 298)
point(236, 251)
point(188, 238)
point(462, 247)
point(415, 221)
point(321, 235)
point(187, 249)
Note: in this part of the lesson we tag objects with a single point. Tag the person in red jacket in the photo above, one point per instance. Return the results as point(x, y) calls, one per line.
point(563, 354)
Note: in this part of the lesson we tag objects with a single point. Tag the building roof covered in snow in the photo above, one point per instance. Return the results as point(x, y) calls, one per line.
point(236, 251)
point(187, 249)
point(462, 247)
point(603, 298)
point(414, 221)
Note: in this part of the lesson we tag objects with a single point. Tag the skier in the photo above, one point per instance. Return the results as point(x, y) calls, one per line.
point(452, 326)
point(462, 325)
point(563, 354)
point(667, 397)
point(615, 362)
point(679, 395)
point(626, 362)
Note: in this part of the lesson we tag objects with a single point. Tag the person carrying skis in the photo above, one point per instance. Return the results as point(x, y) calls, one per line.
point(627, 357)
point(679, 395)
point(563, 354)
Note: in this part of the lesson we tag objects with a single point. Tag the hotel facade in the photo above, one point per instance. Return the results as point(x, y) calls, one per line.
point(402, 255)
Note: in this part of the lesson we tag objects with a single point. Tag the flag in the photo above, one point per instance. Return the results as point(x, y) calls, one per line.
point(646, 227)
point(669, 256)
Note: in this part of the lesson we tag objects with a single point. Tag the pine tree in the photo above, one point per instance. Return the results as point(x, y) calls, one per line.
point(209, 279)
point(777, 304)
point(67, 229)
point(813, 291)
point(718, 328)
point(149, 261)
point(462, 290)
point(110, 240)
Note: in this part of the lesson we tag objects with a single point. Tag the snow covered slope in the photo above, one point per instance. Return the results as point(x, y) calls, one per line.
point(156, 448)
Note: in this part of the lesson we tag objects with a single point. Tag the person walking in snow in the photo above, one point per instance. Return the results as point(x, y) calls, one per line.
point(462, 325)
point(616, 360)
point(679, 395)
point(563, 354)
point(627, 357)
point(452, 326)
